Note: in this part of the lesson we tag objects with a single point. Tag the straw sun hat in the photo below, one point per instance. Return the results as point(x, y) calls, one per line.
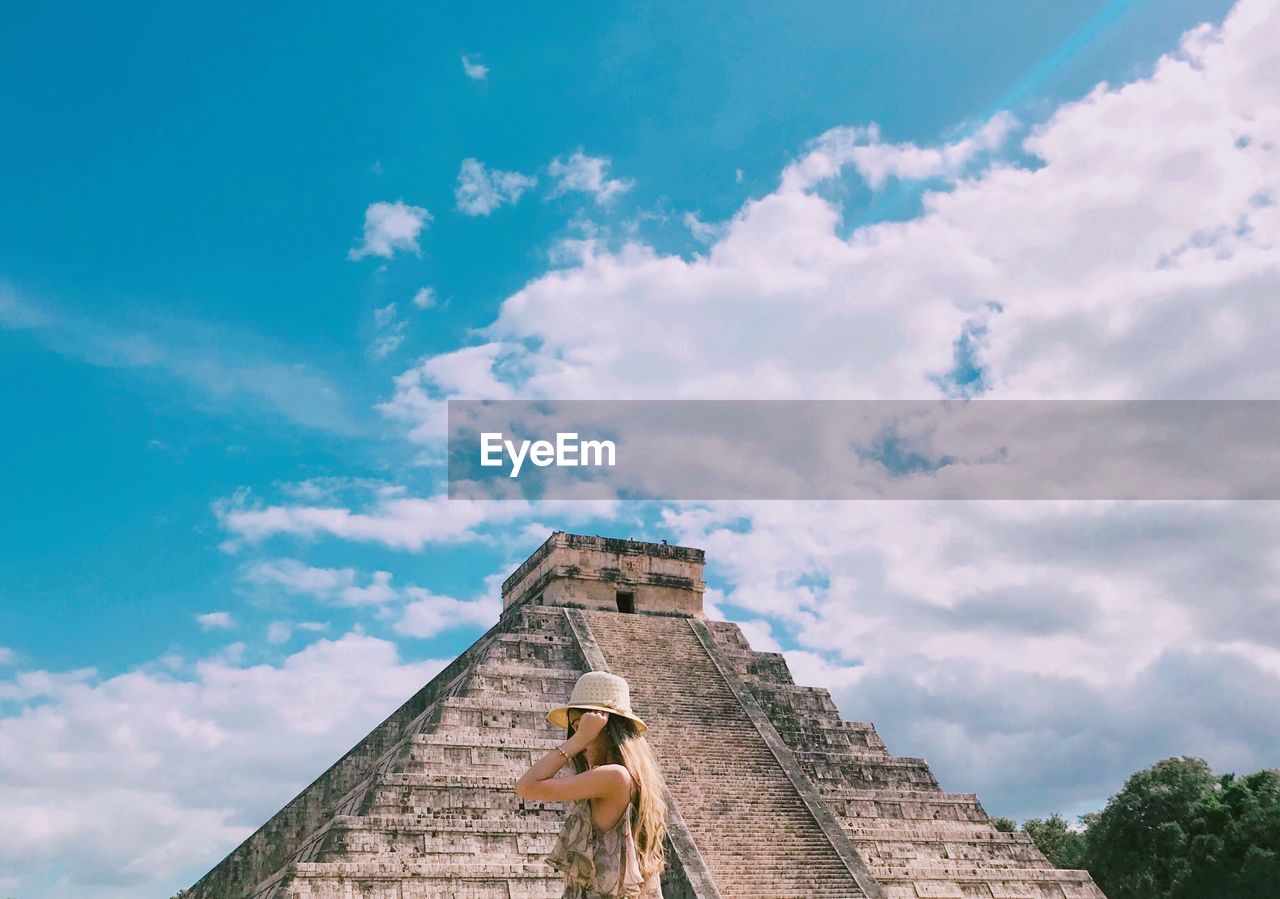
point(601, 691)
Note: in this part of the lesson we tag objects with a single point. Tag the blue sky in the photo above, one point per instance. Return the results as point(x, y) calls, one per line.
point(206, 386)
point(198, 176)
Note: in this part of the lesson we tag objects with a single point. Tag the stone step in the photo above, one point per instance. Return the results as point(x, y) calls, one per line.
point(490, 736)
point(451, 824)
point(830, 728)
point(998, 889)
point(506, 678)
point(769, 667)
point(905, 805)
point(800, 696)
point(892, 772)
point(906, 829)
point(532, 670)
point(475, 796)
point(509, 765)
point(862, 794)
point(728, 635)
point(518, 713)
point(983, 853)
point(811, 754)
point(962, 870)
point(486, 779)
point(544, 620)
point(444, 840)
point(476, 870)
point(549, 650)
point(423, 880)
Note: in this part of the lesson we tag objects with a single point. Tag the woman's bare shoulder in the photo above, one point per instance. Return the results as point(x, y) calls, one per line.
point(617, 773)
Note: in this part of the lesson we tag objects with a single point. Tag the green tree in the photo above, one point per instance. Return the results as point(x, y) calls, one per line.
point(1137, 847)
point(1004, 825)
point(1234, 845)
point(1062, 846)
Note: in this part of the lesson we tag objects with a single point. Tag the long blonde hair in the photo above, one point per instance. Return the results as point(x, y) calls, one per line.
point(628, 747)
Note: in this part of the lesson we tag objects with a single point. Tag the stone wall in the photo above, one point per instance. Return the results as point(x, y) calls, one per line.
point(573, 569)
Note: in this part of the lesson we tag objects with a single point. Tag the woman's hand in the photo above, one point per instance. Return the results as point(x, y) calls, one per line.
point(590, 725)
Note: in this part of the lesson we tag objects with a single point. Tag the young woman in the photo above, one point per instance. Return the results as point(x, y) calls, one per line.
point(611, 844)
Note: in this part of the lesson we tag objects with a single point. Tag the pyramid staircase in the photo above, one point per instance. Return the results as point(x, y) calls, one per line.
point(916, 840)
point(771, 795)
point(424, 807)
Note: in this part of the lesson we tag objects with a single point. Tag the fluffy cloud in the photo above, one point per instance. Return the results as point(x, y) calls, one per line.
point(474, 70)
point(390, 517)
point(389, 227)
point(425, 298)
point(877, 161)
point(215, 621)
point(280, 631)
point(480, 190)
point(338, 585)
point(389, 331)
point(413, 611)
point(586, 174)
point(428, 614)
point(230, 369)
point(135, 784)
point(394, 519)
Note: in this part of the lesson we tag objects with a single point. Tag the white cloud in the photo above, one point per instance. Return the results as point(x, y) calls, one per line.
point(389, 227)
point(481, 190)
point(136, 784)
point(703, 231)
point(8, 656)
point(376, 592)
point(281, 631)
point(215, 621)
point(428, 614)
point(390, 517)
point(28, 685)
point(389, 331)
point(474, 70)
point(225, 367)
point(337, 585)
point(877, 161)
point(425, 298)
point(587, 174)
point(393, 519)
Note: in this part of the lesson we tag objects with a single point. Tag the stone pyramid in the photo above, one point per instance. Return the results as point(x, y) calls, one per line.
point(771, 794)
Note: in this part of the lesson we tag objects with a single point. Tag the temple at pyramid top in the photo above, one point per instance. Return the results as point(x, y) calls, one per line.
point(610, 574)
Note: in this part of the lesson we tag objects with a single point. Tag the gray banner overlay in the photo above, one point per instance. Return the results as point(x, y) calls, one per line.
point(864, 449)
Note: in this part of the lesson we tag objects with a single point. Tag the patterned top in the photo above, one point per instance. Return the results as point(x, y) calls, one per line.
point(599, 864)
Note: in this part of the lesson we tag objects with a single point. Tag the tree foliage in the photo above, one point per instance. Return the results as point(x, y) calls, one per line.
point(1175, 831)
point(1137, 848)
point(1061, 845)
point(1234, 845)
